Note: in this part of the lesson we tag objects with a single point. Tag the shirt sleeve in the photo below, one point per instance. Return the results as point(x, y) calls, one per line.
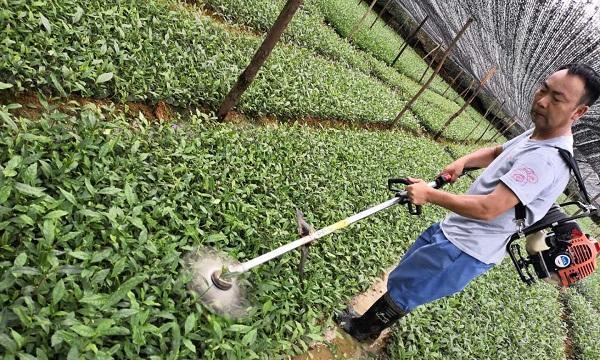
point(529, 176)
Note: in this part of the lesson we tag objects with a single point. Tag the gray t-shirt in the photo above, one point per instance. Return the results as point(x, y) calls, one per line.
point(534, 171)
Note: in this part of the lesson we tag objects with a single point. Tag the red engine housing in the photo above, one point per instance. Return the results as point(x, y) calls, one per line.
point(583, 254)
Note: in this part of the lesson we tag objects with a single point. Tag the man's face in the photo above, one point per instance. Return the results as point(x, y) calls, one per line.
point(557, 102)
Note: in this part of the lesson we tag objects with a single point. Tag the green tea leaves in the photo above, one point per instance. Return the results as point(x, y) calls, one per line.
point(20, 260)
point(216, 238)
point(55, 214)
point(7, 343)
point(83, 330)
point(78, 14)
point(249, 338)
point(102, 78)
point(123, 290)
point(58, 292)
point(29, 190)
point(190, 323)
point(69, 196)
point(12, 165)
point(46, 24)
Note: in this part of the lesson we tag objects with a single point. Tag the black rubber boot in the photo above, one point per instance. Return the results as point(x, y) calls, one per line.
point(381, 315)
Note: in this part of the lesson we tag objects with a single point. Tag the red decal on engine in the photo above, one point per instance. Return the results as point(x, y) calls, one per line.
point(524, 175)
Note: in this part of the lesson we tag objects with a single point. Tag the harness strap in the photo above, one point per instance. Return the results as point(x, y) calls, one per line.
point(520, 209)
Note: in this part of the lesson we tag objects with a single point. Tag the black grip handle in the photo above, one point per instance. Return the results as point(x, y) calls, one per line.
point(414, 209)
point(392, 182)
point(440, 181)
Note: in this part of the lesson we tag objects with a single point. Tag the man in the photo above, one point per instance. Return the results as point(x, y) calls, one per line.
point(472, 238)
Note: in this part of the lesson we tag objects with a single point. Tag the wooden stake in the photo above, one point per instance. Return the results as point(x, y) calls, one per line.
point(472, 131)
point(408, 40)
point(428, 64)
point(488, 75)
point(437, 70)
point(489, 109)
point(588, 175)
point(507, 126)
point(380, 13)
point(489, 125)
point(492, 122)
point(506, 129)
point(452, 83)
point(357, 25)
point(261, 55)
point(464, 92)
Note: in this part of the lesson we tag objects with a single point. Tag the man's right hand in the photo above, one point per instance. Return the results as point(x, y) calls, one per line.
point(455, 169)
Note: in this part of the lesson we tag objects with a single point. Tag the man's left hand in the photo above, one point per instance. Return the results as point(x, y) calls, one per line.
point(418, 191)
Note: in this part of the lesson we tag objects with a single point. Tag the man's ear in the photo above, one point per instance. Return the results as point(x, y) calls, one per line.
point(581, 110)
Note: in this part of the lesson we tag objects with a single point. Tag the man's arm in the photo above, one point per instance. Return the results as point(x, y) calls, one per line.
point(480, 207)
point(477, 159)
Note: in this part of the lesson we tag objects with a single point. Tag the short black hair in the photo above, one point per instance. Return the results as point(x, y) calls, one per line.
point(591, 79)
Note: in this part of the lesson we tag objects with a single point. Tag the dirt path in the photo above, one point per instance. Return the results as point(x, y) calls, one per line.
point(339, 345)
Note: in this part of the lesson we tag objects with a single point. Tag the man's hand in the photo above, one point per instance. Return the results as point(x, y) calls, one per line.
point(455, 169)
point(418, 191)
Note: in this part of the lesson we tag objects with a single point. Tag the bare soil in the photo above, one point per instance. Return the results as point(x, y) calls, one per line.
point(339, 345)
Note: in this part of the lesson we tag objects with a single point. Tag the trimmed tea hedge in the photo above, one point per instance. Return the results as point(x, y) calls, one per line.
point(97, 211)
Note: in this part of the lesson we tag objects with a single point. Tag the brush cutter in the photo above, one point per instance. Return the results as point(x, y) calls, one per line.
point(215, 275)
point(557, 250)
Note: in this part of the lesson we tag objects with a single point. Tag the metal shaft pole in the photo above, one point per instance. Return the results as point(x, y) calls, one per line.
point(245, 266)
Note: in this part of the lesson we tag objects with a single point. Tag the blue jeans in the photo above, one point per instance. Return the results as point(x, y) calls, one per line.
point(432, 268)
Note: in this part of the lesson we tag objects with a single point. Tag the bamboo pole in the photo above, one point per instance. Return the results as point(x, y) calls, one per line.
point(437, 70)
point(464, 92)
point(409, 39)
point(508, 125)
point(502, 128)
point(452, 83)
point(357, 25)
point(488, 75)
point(430, 63)
point(431, 52)
point(487, 111)
point(261, 55)
point(380, 13)
point(490, 124)
point(505, 129)
point(472, 130)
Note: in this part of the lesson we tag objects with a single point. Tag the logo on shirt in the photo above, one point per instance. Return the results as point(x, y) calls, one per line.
point(524, 175)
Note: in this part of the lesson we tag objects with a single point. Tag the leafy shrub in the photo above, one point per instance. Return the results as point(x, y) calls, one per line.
point(97, 210)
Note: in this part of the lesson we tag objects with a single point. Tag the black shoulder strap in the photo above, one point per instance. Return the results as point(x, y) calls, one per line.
point(570, 160)
point(572, 164)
